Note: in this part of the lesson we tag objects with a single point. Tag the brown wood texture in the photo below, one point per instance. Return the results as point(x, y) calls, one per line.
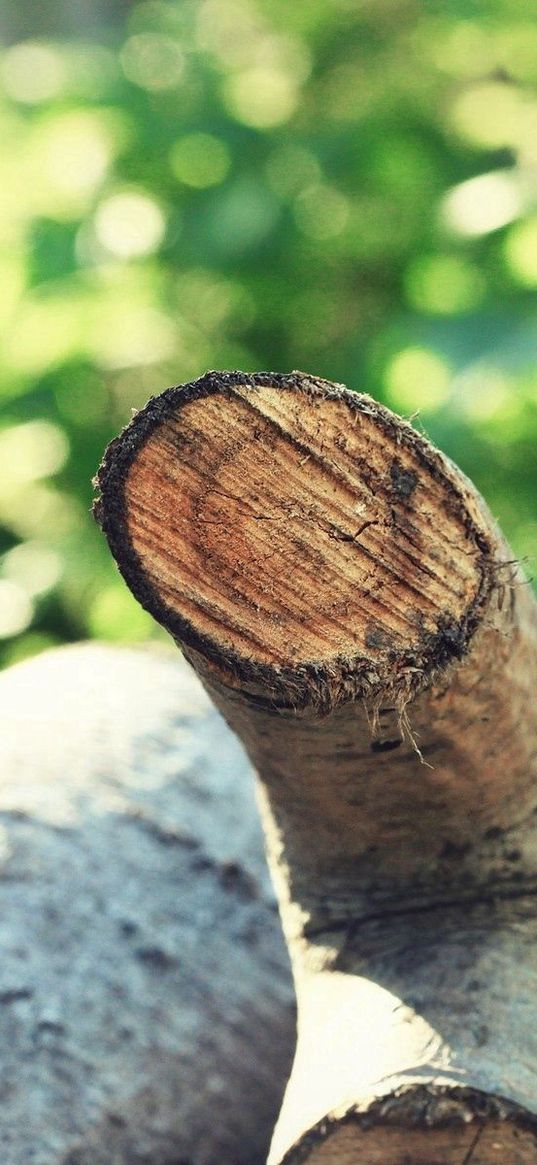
point(285, 550)
point(348, 602)
point(464, 1146)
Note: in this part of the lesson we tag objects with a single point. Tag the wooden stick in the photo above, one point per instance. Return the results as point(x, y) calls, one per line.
point(347, 600)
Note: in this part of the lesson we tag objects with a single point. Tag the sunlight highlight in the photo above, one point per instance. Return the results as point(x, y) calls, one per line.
point(31, 451)
point(521, 252)
point(261, 97)
point(16, 609)
point(487, 115)
point(32, 72)
point(482, 204)
point(33, 566)
point(130, 225)
point(417, 378)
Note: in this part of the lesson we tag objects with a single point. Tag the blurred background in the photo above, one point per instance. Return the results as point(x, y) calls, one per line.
point(348, 187)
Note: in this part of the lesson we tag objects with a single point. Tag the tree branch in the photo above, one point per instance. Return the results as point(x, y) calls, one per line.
point(384, 686)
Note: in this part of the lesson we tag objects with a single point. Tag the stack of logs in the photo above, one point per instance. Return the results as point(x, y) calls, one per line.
point(354, 614)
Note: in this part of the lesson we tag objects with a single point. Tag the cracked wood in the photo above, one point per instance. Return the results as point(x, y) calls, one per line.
point(285, 562)
point(350, 605)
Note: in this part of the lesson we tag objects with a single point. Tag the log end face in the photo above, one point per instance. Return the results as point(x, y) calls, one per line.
point(424, 1126)
point(492, 1145)
point(295, 533)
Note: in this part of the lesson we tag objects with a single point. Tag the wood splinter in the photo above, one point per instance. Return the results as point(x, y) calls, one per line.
point(345, 596)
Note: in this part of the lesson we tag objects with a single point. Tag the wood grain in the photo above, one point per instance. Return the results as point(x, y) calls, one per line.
point(358, 619)
point(507, 1145)
point(289, 529)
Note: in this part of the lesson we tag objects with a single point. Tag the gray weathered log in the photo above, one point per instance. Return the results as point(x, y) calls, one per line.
point(146, 1011)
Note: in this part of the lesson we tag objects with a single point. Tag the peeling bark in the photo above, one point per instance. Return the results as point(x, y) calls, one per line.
point(355, 614)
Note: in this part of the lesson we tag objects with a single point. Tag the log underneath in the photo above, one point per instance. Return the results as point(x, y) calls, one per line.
point(144, 985)
point(354, 612)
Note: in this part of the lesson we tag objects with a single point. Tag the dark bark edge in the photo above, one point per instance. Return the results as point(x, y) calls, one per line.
point(313, 683)
point(420, 1107)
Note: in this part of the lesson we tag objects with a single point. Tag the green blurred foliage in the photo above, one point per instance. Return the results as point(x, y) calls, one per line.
point(344, 187)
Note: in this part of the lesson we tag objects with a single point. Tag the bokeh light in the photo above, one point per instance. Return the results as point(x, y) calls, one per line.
point(30, 451)
point(200, 160)
point(444, 284)
point(32, 72)
point(16, 609)
point(521, 252)
point(129, 224)
point(153, 61)
point(346, 188)
point(73, 150)
point(483, 204)
point(488, 115)
point(261, 97)
point(417, 379)
point(33, 566)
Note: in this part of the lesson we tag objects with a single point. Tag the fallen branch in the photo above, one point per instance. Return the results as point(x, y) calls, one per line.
point(352, 609)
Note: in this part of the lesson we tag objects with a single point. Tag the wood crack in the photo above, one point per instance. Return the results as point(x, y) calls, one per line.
point(469, 1155)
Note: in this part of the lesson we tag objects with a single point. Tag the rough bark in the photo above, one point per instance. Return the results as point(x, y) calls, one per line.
point(144, 983)
point(355, 614)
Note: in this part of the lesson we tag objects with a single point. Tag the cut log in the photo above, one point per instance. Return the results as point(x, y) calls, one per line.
point(355, 614)
point(144, 982)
